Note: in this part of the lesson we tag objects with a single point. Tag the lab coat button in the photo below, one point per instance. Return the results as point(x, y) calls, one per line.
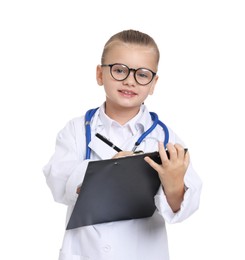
point(107, 248)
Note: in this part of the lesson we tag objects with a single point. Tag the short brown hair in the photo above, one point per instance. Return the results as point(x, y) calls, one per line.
point(132, 37)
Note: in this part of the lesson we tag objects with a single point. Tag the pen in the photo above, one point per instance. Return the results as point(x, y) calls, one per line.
point(105, 140)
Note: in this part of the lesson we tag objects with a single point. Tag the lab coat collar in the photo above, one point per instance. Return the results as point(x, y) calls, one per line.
point(102, 124)
point(138, 123)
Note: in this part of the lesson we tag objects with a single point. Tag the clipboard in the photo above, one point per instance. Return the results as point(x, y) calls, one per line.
point(115, 190)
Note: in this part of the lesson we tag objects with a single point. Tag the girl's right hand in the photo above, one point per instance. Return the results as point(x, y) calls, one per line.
point(122, 154)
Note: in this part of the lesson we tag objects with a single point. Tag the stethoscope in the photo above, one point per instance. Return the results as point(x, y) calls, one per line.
point(90, 113)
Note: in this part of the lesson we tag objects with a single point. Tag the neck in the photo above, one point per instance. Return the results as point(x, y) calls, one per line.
point(121, 115)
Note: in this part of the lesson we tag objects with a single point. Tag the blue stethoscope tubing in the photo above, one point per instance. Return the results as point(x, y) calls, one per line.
point(90, 113)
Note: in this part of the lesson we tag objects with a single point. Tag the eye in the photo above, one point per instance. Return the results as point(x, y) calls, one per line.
point(143, 73)
point(119, 69)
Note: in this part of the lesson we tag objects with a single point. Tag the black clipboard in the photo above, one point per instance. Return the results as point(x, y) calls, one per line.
point(116, 189)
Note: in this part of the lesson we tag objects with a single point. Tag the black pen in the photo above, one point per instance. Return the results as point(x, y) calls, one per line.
point(105, 140)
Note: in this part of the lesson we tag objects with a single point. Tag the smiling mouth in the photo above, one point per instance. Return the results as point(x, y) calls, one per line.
point(127, 92)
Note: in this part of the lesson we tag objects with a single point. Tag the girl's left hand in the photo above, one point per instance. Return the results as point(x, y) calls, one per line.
point(172, 171)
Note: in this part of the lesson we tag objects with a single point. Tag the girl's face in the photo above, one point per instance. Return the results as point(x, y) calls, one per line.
point(128, 93)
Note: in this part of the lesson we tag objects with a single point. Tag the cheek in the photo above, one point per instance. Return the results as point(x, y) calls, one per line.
point(109, 90)
point(143, 95)
point(149, 90)
point(106, 79)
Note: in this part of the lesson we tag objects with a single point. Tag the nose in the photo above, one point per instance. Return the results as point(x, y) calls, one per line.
point(130, 80)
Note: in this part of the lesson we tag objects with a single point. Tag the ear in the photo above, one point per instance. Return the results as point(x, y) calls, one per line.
point(99, 77)
point(153, 84)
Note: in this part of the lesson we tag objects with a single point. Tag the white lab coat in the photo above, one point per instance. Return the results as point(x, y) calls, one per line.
point(137, 239)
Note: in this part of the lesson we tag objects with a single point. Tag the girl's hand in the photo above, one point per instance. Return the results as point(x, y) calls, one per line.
point(122, 154)
point(171, 172)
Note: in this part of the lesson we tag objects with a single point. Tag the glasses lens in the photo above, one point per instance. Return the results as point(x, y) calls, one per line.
point(143, 76)
point(119, 71)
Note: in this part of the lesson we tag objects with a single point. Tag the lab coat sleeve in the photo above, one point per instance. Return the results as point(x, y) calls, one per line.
point(192, 194)
point(65, 170)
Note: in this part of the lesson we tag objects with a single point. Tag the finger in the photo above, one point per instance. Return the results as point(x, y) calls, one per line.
point(122, 154)
point(173, 155)
point(152, 163)
point(162, 152)
point(180, 150)
point(187, 158)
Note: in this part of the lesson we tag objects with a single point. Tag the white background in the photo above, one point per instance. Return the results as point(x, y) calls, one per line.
point(48, 54)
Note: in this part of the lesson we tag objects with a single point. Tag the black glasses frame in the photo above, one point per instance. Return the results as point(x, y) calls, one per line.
point(129, 70)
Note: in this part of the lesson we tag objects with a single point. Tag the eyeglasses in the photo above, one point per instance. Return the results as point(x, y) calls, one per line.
point(120, 72)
